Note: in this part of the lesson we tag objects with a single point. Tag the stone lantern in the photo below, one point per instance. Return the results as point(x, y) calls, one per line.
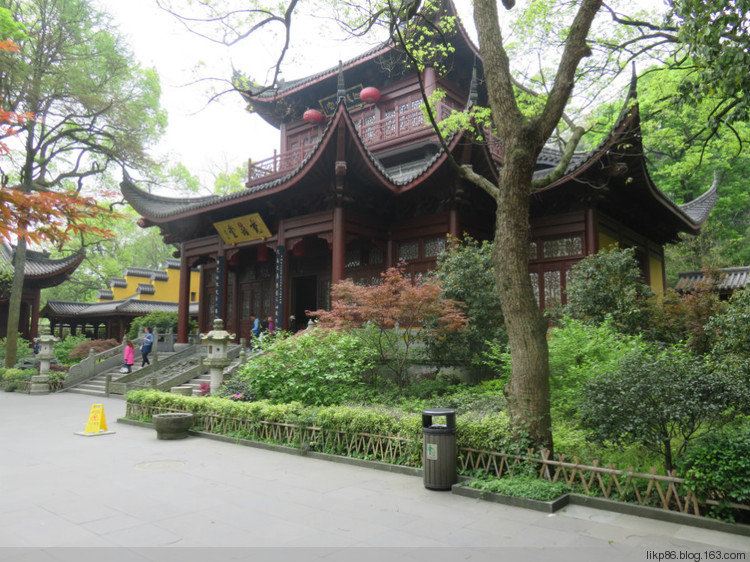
point(217, 340)
point(46, 341)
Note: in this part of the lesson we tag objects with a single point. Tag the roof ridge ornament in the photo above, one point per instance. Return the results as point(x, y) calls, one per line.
point(473, 87)
point(341, 86)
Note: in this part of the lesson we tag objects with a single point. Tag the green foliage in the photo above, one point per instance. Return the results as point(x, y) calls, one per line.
point(607, 285)
point(683, 156)
point(466, 274)
point(522, 487)
point(159, 321)
point(578, 352)
point(730, 334)
point(64, 347)
point(488, 432)
point(718, 468)
point(25, 349)
point(9, 376)
point(317, 367)
point(662, 399)
point(682, 317)
point(82, 350)
point(715, 38)
point(131, 246)
point(392, 317)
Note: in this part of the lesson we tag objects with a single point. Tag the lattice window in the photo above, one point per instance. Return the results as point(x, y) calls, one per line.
point(403, 116)
point(434, 246)
point(552, 289)
point(571, 246)
point(417, 119)
point(390, 122)
point(376, 256)
point(369, 123)
point(353, 258)
point(408, 251)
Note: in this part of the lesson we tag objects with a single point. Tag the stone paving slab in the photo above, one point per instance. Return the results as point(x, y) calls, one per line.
point(129, 496)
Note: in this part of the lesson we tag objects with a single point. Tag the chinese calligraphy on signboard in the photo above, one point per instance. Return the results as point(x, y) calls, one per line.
point(279, 289)
point(242, 229)
point(328, 104)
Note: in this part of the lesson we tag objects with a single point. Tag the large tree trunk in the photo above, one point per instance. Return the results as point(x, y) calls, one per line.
point(14, 304)
point(528, 390)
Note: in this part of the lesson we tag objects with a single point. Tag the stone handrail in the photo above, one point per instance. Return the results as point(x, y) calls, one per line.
point(123, 383)
point(94, 364)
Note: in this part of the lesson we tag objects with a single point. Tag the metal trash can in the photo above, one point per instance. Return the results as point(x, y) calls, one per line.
point(439, 449)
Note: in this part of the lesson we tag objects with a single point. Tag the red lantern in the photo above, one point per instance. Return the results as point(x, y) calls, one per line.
point(312, 116)
point(370, 95)
point(262, 253)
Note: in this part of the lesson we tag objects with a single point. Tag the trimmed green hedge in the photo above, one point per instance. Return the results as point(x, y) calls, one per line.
point(490, 432)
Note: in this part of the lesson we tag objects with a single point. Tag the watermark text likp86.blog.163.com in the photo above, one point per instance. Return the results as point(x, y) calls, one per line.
point(694, 555)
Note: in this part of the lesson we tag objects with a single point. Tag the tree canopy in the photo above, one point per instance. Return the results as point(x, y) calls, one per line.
point(93, 110)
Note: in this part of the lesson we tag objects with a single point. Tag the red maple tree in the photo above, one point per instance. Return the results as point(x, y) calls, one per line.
point(395, 314)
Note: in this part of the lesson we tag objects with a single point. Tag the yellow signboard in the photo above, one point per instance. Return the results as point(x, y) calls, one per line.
point(242, 229)
point(97, 422)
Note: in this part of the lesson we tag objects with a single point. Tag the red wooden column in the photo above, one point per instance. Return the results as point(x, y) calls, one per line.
point(453, 224)
point(183, 305)
point(339, 245)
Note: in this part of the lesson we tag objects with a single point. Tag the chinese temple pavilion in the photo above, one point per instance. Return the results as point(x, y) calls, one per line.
point(361, 183)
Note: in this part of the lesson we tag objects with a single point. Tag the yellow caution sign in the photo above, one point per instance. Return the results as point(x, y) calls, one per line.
point(97, 423)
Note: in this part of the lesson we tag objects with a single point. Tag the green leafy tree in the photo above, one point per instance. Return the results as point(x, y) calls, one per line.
point(662, 399)
point(718, 468)
point(93, 108)
point(131, 246)
point(608, 285)
point(680, 317)
point(729, 333)
point(466, 274)
point(685, 158)
point(395, 316)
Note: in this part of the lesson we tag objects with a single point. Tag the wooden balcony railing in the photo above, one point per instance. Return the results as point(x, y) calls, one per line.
point(408, 126)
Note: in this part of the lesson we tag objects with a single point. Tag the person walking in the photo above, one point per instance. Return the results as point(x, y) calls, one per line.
point(147, 343)
point(129, 355)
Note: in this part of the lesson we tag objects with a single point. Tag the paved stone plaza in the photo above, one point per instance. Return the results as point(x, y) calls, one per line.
point(63, 495)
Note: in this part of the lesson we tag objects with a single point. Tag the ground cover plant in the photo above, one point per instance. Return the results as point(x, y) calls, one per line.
point(529, 487)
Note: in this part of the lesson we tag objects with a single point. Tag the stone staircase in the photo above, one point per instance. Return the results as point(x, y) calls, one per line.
point(95, 386)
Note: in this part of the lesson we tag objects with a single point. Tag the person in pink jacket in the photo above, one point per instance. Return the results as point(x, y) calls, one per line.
point(129, 355)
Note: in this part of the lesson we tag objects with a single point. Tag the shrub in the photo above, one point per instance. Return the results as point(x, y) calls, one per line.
point(718, 468)
point(64, 347)
point(730, 335)
point(466, 274)
point(394, 314)
point(82, 350)
point(578, 352)
point(662, 399)
point(317, 367)
point(25, 349)
point(607, 285)
point(13, 379)
point(682, 317)
point(160, 321)
point(488, 432)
